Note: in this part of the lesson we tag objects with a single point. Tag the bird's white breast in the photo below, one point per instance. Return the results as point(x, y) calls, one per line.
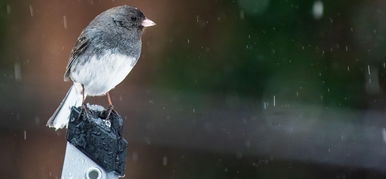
point(101, 75)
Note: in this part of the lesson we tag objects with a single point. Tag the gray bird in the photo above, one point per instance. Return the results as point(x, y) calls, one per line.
point(104, 54)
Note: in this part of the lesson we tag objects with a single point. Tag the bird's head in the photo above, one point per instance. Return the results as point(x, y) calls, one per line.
point(126, 17)
point(129, 17)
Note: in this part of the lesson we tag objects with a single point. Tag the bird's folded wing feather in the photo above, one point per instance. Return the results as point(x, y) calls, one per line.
point(81, 45)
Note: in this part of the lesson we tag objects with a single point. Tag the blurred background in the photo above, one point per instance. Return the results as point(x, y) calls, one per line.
point(230, 89)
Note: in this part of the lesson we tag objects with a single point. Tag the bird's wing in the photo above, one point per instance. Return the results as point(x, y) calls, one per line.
point(81, 45)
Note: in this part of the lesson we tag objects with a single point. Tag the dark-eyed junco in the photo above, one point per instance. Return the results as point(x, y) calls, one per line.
point(106, 51)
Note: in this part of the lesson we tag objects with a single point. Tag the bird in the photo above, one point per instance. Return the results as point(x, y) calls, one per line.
point(103, 55)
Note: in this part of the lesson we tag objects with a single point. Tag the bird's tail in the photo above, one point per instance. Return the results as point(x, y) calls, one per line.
point(62, 114)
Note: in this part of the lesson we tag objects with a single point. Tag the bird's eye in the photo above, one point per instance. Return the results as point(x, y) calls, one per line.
point(133, 18)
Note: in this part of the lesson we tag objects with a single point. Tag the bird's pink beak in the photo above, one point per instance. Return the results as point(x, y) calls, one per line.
point(147, 23)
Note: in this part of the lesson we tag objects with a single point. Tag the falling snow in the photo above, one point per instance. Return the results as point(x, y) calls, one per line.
point(31, 10)
point(265, 105)
point(17, 70)
point(164, 161)
point(317, 9)
point(242, 16)
point(65, 22)
point(134, 156)
point(274, 101)
point(8, 9)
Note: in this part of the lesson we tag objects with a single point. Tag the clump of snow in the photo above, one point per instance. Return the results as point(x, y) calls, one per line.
point(95, 107)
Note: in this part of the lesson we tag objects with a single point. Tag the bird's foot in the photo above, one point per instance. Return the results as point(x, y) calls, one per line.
point(110, 109)
point(84, 109)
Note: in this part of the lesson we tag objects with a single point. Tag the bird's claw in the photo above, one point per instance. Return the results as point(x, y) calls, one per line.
point(83, 109)
point(110, 109)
